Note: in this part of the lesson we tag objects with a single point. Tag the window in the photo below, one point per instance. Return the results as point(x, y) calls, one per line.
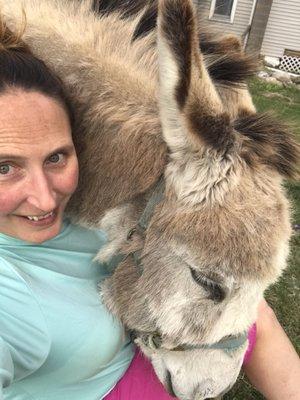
point(223, 10)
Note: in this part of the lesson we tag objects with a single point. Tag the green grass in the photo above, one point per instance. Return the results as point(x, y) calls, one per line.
point(284, 296)
point(285, 101)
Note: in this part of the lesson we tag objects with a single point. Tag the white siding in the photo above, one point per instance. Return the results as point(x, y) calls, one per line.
point(283, 28)
point(241, 18)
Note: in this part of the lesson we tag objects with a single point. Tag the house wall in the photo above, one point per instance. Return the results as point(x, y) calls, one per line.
point(283, 28)
point(241, 18)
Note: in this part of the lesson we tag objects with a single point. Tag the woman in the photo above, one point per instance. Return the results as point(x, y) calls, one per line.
point(57, 340)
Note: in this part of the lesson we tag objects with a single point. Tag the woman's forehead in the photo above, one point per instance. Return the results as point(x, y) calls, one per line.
point(32, 120)
point(21, 107)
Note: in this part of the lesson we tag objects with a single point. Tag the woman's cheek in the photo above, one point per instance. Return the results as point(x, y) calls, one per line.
point(71, 178)
point(9, 201)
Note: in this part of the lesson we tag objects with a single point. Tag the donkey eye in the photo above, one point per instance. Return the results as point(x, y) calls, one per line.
point(215, 290)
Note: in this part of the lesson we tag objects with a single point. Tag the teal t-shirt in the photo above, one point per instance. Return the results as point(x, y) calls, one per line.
point(57, 340)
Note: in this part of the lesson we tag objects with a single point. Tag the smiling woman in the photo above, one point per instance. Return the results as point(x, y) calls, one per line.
point(38, 163)
point(57, 340)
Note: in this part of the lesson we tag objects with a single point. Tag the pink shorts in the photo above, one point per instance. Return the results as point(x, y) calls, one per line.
point(251, 343)
point(140, 381)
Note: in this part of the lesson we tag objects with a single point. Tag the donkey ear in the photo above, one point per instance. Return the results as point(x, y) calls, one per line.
point(175, 42)
point(190, 107)
point(175, 36)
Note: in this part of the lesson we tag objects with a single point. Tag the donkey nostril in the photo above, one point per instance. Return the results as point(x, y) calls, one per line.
point(168, 384)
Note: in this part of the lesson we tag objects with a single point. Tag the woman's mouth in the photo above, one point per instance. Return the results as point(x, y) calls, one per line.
point(40, 220)
point(39, 217)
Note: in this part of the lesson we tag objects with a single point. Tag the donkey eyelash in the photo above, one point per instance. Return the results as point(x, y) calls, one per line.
point(217, 293)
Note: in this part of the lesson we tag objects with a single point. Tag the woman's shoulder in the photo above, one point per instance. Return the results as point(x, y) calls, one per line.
point(22, 324)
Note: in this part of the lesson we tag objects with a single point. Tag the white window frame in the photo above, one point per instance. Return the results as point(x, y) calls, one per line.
point(216, 18)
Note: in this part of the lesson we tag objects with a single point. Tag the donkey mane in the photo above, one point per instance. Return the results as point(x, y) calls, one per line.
point(227, 64)
point(127, 8)
point(269, 142)
point(265, 140)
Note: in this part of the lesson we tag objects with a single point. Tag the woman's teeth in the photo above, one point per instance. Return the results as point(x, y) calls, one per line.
point(35, 218)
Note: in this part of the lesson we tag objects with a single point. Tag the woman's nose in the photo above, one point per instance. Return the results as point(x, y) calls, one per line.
point(41, 193)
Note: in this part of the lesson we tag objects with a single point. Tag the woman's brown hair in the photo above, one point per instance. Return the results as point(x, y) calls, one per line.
point(20, 68)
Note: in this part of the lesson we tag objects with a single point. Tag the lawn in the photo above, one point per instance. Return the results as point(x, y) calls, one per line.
point(284, 296)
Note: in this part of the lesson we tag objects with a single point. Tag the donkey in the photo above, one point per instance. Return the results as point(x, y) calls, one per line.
point(188, 190)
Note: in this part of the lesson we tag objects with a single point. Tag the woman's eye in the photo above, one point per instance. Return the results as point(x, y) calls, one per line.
point(6, 169)
point(56, 158)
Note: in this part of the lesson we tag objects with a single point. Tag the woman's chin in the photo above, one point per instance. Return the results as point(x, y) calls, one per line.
point(44, 235)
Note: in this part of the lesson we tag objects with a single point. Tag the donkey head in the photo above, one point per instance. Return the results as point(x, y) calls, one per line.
point(220, 235)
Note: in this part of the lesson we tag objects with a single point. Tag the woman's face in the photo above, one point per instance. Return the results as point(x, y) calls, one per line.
point(38, 165)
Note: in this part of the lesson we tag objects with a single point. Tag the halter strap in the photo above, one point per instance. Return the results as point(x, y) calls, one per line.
point(227, 344)
point(156, 198)
point(142, 224)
